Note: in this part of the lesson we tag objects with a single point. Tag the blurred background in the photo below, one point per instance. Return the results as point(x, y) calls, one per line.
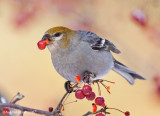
point(132, 25)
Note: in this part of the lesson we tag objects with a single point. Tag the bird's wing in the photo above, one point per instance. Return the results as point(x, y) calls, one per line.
point(98, 43)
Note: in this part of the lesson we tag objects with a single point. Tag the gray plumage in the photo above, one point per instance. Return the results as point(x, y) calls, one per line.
point(88, 52)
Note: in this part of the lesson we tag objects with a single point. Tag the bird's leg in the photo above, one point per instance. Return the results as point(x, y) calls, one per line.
point(87, 75)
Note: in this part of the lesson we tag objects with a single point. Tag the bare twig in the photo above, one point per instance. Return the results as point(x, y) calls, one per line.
point(19, 97)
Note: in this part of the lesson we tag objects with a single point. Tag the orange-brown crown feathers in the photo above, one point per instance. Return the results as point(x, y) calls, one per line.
point(59, 29)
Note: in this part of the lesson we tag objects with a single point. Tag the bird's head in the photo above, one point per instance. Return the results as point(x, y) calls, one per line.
point(58, 37)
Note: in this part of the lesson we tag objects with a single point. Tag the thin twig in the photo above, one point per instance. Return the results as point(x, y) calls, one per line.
point(59, 107)
point(115, 109)
point(19, 97)
point(105, 87)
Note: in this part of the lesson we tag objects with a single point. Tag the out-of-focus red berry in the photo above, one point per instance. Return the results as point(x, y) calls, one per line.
point(91, 96)
point(100, 114)
point(127, 113)
point(156, 79)
point(41, 45)
point(158, 89)
point(5, 111)
point(23, 17)
point(99, 100)
point(79, 94)
point(87, 89)
point(139, 16)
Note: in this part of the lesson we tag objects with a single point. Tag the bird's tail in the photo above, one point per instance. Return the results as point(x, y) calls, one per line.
point(127, 73)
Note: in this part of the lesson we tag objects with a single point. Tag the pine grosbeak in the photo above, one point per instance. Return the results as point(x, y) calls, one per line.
point(74, 52)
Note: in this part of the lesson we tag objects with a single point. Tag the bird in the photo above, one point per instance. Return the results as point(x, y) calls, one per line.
point(74, 52)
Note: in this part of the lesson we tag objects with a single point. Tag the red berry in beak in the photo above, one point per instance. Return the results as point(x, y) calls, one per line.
point(41, 44)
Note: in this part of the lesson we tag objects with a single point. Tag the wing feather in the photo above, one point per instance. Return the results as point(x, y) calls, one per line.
point(98, 43)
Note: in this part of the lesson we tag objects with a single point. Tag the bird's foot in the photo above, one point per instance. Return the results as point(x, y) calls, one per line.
point(68, 87)
point(87, 75)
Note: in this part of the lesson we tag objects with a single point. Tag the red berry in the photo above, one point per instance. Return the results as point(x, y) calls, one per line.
point(50, 109)
point(91, 96)
point(6, 111)
point(79, 94)
point(127, 113)
point(100, 114)
point(87, 89)
point(99, 100)
point(41, 44)
point(139, 16)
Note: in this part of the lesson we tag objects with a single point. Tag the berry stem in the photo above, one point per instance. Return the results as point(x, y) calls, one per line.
point(109, 81)
point(99, 90)
point(115, 109)
point(70, 102)
point(105, 87)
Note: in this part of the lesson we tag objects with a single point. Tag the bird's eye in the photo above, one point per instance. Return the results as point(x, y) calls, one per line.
point(57, 34)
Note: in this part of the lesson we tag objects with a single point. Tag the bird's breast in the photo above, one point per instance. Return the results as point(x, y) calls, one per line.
point(83, 59)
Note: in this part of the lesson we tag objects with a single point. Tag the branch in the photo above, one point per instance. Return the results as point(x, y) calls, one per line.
point(22, 108)
point(56, 112)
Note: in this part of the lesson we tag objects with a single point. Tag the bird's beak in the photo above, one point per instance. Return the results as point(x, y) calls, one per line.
point(46, 38)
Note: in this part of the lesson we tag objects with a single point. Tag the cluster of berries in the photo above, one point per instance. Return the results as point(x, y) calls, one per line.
point(86, 92)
